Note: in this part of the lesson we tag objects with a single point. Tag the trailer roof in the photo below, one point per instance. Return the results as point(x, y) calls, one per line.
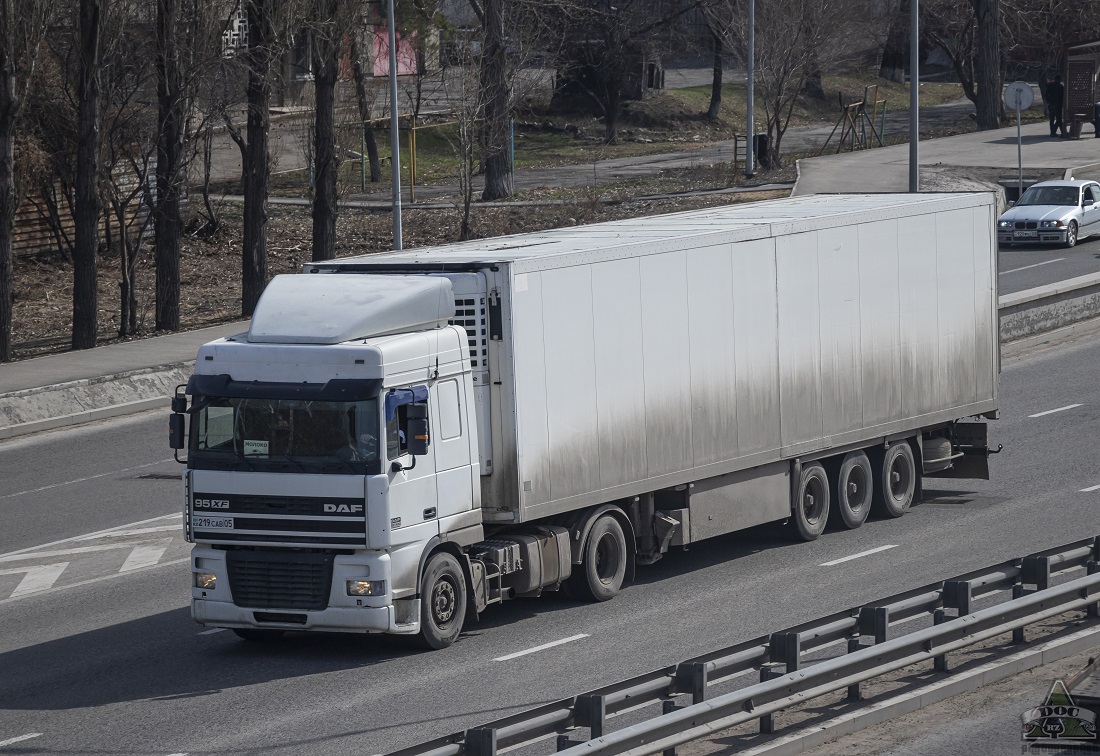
point(730, 223)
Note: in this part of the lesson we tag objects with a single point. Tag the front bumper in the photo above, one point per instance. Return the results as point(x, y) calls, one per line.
point(1042, 236)
point(334, 619)
point(341, 613)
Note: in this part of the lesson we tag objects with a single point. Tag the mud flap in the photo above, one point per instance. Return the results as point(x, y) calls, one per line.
point(972, 441)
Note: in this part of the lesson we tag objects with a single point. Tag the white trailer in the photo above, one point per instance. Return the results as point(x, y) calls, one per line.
point(402, 439)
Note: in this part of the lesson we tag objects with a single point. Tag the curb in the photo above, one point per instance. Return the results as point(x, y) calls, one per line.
point(960, 682)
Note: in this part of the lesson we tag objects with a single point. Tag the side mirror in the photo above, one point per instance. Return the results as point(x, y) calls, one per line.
point(1011, 203)
point(1089, 202)
point(419, 437)
point(176, 431)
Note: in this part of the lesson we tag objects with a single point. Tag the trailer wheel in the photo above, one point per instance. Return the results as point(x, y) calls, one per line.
point(811, 505)
point(258, 635)
point(442, 601)
point(603, 567)
point(852, 489)
point(897, 480)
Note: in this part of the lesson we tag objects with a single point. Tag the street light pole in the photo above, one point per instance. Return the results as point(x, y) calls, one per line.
point(395, 136)
point(914, 95)
point(750, 140)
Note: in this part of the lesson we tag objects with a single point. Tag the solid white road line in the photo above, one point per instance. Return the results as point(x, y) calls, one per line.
point(1090, 489)
point(1060, 409)
point(215, 630)
point(82, 480)
point(1036, 265)
point(89, 536)
point(145, 556)
point(136, 531)
point(37, 579)
point(543, 647)
point(860, 554)
point(20, 739)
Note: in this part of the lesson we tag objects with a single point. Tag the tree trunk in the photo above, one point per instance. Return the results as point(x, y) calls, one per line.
point(987, 64)
point(495, 107)
point(716, 79)
point(326, 51)
point(86, 211)
point(364, 103)
point(257, 169)
point(172, 115)
point(7, 176)
point(894, 54)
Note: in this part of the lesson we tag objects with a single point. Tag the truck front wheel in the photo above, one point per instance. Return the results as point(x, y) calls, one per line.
point(604, 565)
point(811, 506)
point(442, 601)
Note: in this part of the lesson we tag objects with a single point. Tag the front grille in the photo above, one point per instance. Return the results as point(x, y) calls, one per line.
point(1028, 224)
point(279, 580)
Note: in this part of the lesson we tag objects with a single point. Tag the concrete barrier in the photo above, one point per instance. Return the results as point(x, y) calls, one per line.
point(1047, 308)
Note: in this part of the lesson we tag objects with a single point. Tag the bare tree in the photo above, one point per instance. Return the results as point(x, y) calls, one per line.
point(795, 39)
point(327, 30)
point(270, 23)
point(496, 96)
point(970, 34)
point(364, 96)
point(22, 26)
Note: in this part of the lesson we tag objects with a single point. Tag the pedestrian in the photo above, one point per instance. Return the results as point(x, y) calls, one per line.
point(1054, 95)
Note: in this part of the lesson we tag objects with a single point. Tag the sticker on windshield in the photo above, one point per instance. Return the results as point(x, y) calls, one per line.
point(255, 448)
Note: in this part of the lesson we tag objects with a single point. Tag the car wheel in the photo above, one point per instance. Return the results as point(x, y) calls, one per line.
point(1071, 234)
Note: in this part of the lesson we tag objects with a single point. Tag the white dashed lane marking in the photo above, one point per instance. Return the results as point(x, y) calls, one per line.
point(543, 647)
point(37, 579)
point(1051, 412)
point(1090, 489)
point(860, 554)
point(1036, 265)
point(20, 739)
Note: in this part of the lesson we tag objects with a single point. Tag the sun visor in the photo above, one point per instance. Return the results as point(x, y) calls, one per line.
point(333, 308)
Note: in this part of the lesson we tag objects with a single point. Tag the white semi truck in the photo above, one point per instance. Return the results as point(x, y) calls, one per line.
point(402, 439)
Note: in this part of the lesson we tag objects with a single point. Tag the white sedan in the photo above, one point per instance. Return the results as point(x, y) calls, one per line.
point(1052, 212)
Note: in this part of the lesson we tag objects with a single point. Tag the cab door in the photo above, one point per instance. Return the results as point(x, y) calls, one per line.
point(454, 492)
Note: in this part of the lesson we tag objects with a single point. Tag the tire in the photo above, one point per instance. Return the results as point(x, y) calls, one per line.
point(603, 567)
point(934, 449)
point(442, 602)
point(810, 509)
point(257, 635)
point(896, 482)
point(853, 487)
point(1071, 234)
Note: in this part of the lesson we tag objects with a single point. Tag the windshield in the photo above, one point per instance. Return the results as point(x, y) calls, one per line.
point(266, 434)
point(1049, 195)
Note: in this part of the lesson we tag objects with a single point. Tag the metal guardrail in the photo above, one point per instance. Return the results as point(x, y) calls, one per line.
point(785, 679)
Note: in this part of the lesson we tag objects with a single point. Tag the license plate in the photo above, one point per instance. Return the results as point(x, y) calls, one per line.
point(1027, 234)
point(211, 523)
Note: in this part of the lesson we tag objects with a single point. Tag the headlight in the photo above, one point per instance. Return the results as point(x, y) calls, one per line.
point(366, 587)
point(205, 580)
point(1005, 224)
point(1052, 224)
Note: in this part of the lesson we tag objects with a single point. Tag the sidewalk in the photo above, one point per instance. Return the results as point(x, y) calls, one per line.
point(75, 387)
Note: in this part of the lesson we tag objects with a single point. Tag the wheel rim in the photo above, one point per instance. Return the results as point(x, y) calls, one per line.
point(856, 487)
point(900, 476)
point(608, 557)
point(1072, 234)
point(443, 602)
point(813, 500)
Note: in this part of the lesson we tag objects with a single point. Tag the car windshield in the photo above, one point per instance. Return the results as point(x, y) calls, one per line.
point(1049, 195)
point(314, 436)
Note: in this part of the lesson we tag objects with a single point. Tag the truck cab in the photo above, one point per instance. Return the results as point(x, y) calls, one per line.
point(328, 448)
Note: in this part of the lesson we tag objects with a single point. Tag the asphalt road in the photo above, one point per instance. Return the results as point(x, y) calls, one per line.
point(106, 659)
point(1022, 268)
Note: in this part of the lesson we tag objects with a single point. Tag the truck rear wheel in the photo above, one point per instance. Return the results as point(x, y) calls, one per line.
point(852, 489)
point(442, 601)
point(897, 480)
point(604, 565)
point(811, 505)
